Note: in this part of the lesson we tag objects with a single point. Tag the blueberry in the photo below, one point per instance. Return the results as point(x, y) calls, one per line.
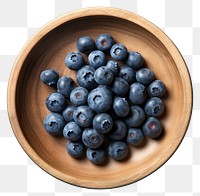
point(83, 116)
point(144, 76)
point(96, 156)
point(121, 107)
point(103, 75)
point(118, 131)
point(99, 99)
point(103, 123)
point(134, 60)
point(49, 77)
point(85, 77)
point(104, 42)
point(56, 102)
point(118, 150)
point(72, 131)
point(65, 85)
point(157, 88)
point(127, 73)
point(78, 96)
point(113, 67)
point(137, 93)
point(136, 116)
point(97, 59)
point(118, 52)
point(152, 127)
point(54, 123)
point(74, 60)
point(75, 149)
point(134, 136)
point(68, 113)
point(154, 107)
point(92, 138)
point(120, 87)
point(85, 44)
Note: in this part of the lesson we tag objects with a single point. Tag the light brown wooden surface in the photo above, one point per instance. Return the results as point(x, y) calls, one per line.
point(48, 48)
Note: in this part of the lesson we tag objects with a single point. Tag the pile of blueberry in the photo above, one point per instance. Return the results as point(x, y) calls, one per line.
point(113, 106)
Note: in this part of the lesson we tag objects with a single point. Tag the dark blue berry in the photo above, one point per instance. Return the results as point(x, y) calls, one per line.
point(144, 76)
point(154, 107)
point(72, 131)
point(99, 99)
point(92, 138)
point(134, 136)
point(54, 123)
point(113, 67)
point(85, 77)
point(137, 93)
point(75, 149)
point(134, 60)
point(121, 107)
point(127, 73)
point(96, 156)
point(104, 42)
point(157, 88)
point(74, 60)
point(152, 127)
point(65, 85)
point(103, 123)
point(79, 96)
point(136, 116)
point(85, 44)
point(83, 116)
point(68, 113)
point(118, 150)
point(118, 52)
point(120, 87)
point(49, 77)
point(97, 59)
point(103, 75)
point(56, 102)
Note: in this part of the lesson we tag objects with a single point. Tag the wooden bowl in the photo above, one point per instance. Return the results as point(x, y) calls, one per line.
point(48, 48)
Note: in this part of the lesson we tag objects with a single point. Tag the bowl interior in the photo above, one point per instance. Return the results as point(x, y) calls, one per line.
point(31, 94)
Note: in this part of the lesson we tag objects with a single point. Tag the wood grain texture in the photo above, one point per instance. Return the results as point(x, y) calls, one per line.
point(48, 48)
